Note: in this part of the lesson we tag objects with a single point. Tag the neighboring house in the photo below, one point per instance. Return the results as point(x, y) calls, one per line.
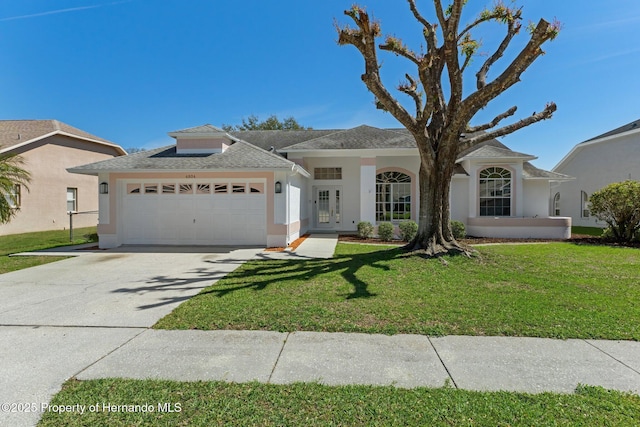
point(48, 148)
point(268, 187)
point(611, 157)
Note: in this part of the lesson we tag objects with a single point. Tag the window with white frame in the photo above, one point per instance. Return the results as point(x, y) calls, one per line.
point(72, 199)
point(495, 192)
point(13, 197)
point(584, 205)
point(393, 197)
point(327, 173)
point(556, 204)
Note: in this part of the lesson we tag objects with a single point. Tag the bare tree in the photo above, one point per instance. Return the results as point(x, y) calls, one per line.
point(441, 125)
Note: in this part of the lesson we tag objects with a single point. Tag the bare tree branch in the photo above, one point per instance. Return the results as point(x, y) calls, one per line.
point(548, 111)
point(417, 15)
point(364, 40)
point(499, 12)
point(510, 76)
point(440, 14)
point(481, 75)
point(411, 89)
point(395, 45)
point(493, 123)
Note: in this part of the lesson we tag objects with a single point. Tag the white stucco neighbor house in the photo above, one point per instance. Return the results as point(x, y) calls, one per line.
point(267, 188)
point(611, 157)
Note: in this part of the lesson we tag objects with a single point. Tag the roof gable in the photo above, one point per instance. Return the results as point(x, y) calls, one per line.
point(204, 129)
point(16, 133)
point(628, 129)
point(493, 152)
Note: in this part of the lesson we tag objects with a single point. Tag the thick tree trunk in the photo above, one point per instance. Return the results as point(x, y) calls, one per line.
point(434, 237)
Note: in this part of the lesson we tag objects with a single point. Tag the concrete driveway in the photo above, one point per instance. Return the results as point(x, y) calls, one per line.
point(56, 319)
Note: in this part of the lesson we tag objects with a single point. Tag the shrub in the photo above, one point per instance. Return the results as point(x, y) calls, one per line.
point(408, 230)
point(365, 230)
point(618, 204)
point(458, 230)
point(385, 231)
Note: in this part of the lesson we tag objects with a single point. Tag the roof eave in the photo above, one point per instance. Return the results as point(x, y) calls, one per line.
point(498, 159)
point(547, 178)
point(67, 134)
point(81, 171)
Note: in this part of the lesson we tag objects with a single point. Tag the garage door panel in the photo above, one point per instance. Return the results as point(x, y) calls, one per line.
point(198, 219)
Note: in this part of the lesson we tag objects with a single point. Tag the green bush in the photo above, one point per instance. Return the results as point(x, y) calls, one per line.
point(618, 205)
point(408, 230)
point(458, 230)
point(365, 230)
point(385, 231)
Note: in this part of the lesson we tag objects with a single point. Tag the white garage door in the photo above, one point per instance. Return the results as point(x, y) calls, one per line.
point(194, 214)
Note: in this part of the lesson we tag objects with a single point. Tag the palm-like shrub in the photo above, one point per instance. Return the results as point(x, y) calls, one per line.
point(11, 175)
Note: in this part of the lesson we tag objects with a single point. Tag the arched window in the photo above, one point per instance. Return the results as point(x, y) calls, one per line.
point(584, 205)
point(495, 192)
point(556, 204)
point(393, 196)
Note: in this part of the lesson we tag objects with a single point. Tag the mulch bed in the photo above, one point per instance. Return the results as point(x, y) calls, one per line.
point(291, 247)
point(576, 238)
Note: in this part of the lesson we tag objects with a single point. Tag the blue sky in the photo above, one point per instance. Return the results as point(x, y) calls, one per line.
point(132, 70)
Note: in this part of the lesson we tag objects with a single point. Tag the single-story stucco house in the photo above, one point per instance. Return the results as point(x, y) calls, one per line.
point(48, 148)
point(613, 156)
point(268, 187)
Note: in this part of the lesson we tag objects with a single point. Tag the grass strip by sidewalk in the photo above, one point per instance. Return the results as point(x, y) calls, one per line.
point(255, 404)
point(28, 242)
point(557, 290)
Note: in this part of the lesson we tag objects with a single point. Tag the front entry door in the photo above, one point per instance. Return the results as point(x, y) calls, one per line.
point(328, 207)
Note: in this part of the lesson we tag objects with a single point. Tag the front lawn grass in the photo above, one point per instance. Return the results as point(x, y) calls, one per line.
point(556, 290)
point(27, 242)
point(255, 404)
point(587, 231)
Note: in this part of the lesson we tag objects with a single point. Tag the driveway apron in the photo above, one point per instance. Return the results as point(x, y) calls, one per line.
point(56, 319)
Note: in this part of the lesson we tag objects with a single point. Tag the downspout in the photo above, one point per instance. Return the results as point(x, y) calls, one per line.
point(288, 200)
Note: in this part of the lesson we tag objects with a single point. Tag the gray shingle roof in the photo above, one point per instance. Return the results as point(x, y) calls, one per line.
point(251, 152)
point(361, 137)
point(279, 139)
point(240, 155)
point(635, 125)
point(532, 172)
point(18, 132)
point(199, 129)
point(490, 151)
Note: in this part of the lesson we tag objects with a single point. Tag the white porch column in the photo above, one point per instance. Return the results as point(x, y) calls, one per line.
point(519, 191)
point(368, 189)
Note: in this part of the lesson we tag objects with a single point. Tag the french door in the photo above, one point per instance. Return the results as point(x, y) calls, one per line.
point(328, 207)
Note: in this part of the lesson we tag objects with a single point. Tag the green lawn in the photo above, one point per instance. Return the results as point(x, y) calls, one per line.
point(548, 290)
point(588, 231)
point(27, 242)
point(558, 290)
point(254, 404)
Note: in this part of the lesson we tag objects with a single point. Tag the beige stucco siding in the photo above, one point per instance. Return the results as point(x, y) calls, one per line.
point(44, 207)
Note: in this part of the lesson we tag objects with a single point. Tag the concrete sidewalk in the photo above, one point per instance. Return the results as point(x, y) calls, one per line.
point(531, 365)
point(316, 246)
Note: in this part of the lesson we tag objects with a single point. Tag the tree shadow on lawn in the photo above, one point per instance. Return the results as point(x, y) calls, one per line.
point(258, 275)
